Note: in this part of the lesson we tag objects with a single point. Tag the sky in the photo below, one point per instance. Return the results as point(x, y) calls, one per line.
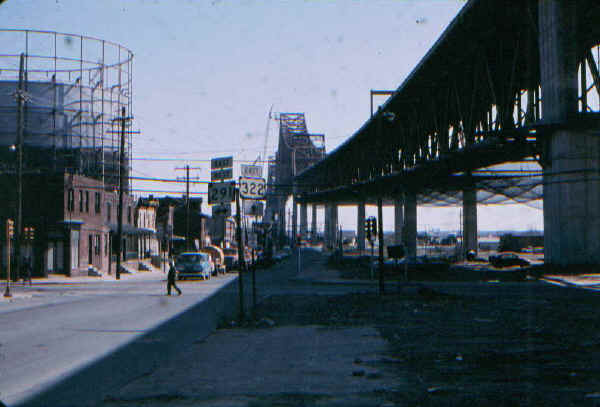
point(206, 73)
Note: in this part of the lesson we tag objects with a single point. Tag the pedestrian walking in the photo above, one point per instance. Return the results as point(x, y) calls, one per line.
point(26, 270)
point(171, 278)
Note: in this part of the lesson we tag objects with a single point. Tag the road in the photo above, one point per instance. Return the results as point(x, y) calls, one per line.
point(56, 329)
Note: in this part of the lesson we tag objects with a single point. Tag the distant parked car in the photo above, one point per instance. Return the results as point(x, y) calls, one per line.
point(507, 259)
point(193, 264)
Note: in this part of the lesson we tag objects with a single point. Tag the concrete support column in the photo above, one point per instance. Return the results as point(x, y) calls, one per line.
point(282, 224)
point(327, 226)
point(360, 227)
point(294, 221)
point(410, 223)
point(303, 219)
point(571, 156)
point(398, 219)
point(331, 224)
point(313, 226)
point(469, 220)
point(334, 225)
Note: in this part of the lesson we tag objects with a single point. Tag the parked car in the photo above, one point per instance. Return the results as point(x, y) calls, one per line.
point(507, 259)
point(193, 265)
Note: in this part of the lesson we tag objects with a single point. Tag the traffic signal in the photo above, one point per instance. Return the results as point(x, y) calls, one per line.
point(374, 226)
point(10, 228)
point(371, 227)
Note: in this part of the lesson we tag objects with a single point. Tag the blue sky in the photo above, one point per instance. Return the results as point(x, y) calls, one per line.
point(207, 72)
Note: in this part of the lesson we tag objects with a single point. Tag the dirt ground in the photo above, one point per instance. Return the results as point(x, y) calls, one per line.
point(524, 343)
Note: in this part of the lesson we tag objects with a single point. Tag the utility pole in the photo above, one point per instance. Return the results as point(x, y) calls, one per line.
point(20, 95)
point(122, 169)
point(187, 169)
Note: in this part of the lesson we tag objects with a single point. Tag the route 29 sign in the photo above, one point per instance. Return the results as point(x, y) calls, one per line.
point(253, 188)
point(221, 192)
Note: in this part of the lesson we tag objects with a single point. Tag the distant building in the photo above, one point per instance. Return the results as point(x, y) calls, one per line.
point(145, 221)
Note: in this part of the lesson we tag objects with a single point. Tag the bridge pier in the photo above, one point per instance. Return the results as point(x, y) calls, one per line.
point(410, 223)
point(469, 220)
point(571, 157)
point(398, 220)
point(313, 223)
point(360, 227)
point(303, 219)
point(294, 221)
point(331, 224)
point(282, 226)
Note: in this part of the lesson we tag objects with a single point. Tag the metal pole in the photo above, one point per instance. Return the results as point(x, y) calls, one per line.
point(380, 238)
point(187, 207)
point(253, 282)
point(241, 262)
point(121, 183)
point(19, 226)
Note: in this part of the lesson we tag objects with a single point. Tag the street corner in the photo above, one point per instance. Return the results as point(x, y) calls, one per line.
point(14, 296)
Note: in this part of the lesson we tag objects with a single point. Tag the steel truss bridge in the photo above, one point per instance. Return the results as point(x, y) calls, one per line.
point(503, 80)
point(297, 150)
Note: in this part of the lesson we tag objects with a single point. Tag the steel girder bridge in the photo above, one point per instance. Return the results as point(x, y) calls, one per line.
point(506, 82)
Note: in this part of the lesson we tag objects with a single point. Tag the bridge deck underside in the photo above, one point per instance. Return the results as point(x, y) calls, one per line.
point(473, 101)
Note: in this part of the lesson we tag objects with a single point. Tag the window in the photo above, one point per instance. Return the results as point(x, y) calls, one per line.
point(87, 201)
point(108, 208)
point(129, 215)
point(97, 203)
point(97, 245)
point(71, 200)
point(80, 201)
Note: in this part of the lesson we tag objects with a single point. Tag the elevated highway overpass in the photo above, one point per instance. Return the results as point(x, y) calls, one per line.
point(506, 82)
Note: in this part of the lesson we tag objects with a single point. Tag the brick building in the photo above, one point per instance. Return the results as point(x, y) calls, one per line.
point(71, 221)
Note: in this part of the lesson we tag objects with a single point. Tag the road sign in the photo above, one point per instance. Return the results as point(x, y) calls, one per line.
point(251, 170)
point(221, 162)
point(222, 210)
point(221, 175)
point(253, 207)
point(253, 188)
point(221, 192)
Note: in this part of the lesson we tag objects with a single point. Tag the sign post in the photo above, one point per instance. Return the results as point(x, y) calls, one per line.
point(10, 229)
point(241, 262)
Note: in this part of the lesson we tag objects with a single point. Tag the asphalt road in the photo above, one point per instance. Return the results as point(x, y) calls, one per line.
point(55, 330)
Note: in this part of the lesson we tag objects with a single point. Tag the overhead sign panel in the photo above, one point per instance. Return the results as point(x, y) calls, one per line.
point(251, 170)
point(221, 162)
point(221, 175)
point(221, 192)
point(253, 188)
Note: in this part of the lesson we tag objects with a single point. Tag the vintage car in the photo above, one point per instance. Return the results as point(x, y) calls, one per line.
point(507, 259)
